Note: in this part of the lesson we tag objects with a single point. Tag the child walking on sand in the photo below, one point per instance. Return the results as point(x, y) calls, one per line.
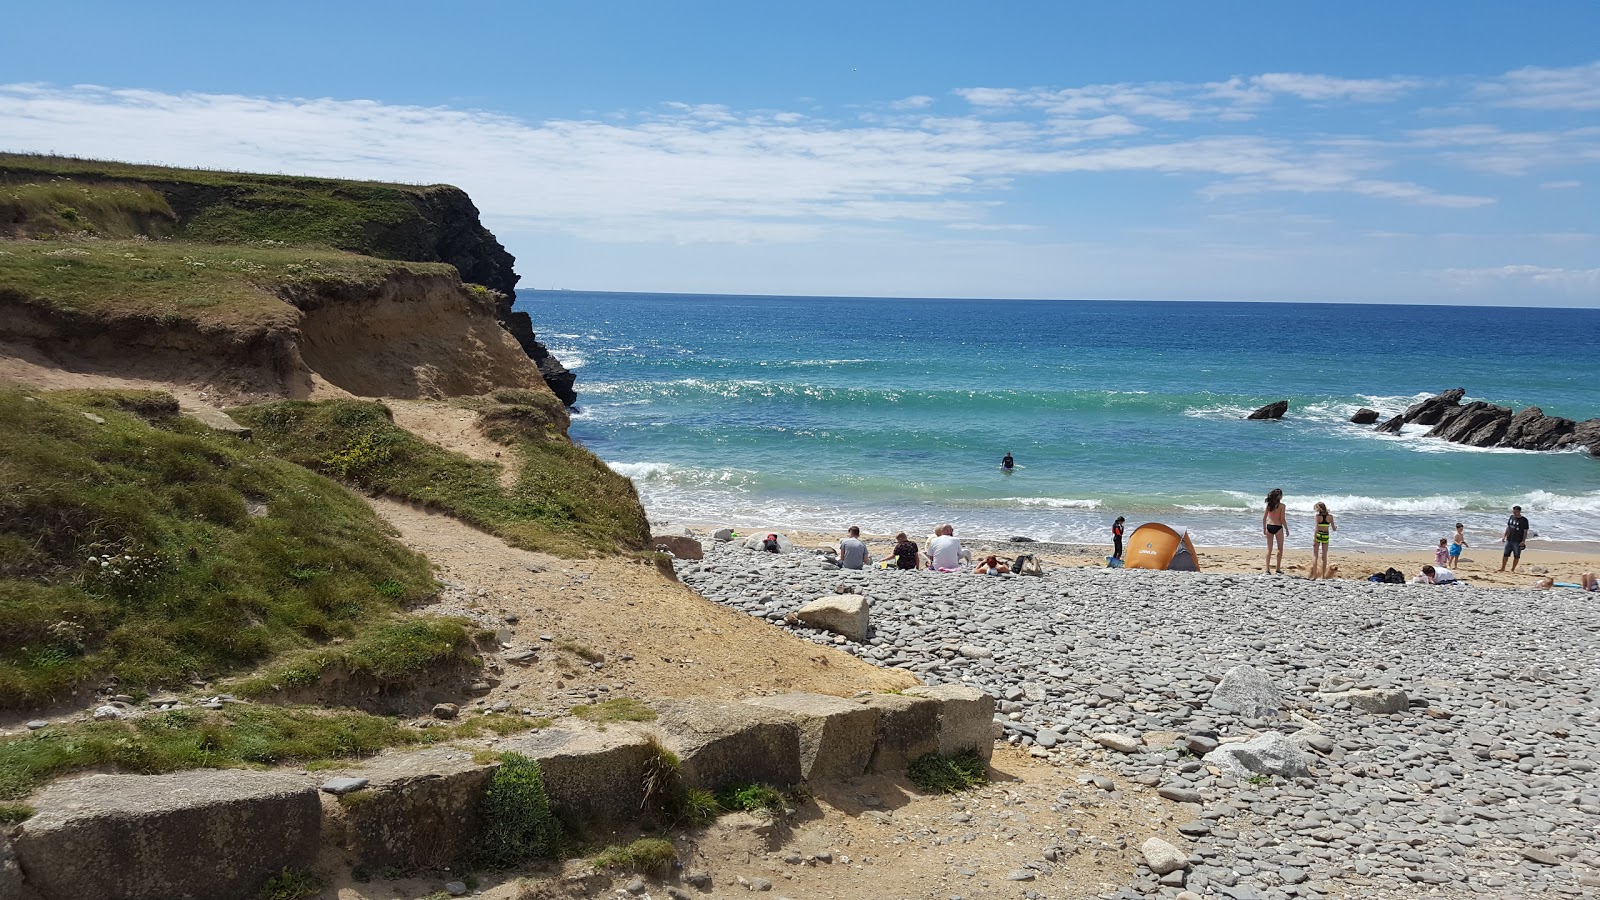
point(1320, 539)
point(1441, 555)
point(1458, 543)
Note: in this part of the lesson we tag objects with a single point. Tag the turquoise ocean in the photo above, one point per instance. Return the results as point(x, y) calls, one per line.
point(821, 412)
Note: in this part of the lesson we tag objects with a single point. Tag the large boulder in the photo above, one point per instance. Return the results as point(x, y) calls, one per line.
point(1271, 411)
point(1471, 420)
point(721, 744)
point(1364, 416)
point(845, 614)
point(11, 885)
point(158, 837)
point(1433, 409)
point(678, 545)
point(1163, 857)
point(420, 810)
point(1587, 434)
point(596, 780)
point(966, 718)
point(1531, 429)
point(1248, 691)
point(1267, 754)
point(836, 735)
point(1393, 426)
point(1379, 701)
point(908, 727)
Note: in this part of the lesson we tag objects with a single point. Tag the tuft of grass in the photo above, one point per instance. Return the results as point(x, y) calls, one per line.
point(238, 735)
point(127, 549)
point(934, 773)
point(749, 798)
point(382, 654)
point(58, 207)
point(648, 856)
point(13, 813)
point(565, 501)
point(582, 651)
point(290, 884)
point(518, 823)
point(617, 709)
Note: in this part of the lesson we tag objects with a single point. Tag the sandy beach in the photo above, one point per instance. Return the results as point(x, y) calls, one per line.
point(1478, 566)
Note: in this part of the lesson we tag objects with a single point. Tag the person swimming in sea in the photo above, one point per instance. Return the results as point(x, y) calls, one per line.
point(1007, 463)
point(1274, 527)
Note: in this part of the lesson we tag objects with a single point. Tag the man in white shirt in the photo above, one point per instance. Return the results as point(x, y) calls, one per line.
point(944, 551)
point(1436, 575)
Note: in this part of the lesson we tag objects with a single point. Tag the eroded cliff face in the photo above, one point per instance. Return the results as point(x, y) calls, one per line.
point(411, 335)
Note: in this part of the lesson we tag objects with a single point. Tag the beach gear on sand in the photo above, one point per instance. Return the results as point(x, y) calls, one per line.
point(1157, 546)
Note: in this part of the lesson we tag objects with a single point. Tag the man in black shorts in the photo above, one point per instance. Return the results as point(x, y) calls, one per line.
point(1515, 536)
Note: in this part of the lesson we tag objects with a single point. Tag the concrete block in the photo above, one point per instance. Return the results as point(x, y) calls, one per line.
point(908, 727)
point(836, 735)
point(596, 780)
point(204, 835)
point(419, 810)
point(721, 744)
point(965, 718)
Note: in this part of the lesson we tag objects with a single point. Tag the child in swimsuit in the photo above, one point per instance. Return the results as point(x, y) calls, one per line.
point(1319, 541)
point(1274, 527)
point(1441, 554)
point(1457, 544)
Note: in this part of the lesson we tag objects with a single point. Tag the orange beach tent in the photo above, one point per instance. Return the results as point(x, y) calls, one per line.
point(1155, 546)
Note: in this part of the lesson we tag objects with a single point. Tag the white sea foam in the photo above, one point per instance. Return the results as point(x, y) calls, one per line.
point(1049, 502)
point(1219, 411)
point(642, 471)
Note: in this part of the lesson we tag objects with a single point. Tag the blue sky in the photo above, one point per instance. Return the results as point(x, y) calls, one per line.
point(1376, 152)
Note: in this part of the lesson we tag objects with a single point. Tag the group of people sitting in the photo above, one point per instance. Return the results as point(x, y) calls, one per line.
point(944, 554)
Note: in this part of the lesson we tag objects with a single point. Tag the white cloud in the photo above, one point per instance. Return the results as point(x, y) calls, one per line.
point(1323, 87)
point(1566, 185)
point(1573, 88)
point(920, 101)
point(1534, 276)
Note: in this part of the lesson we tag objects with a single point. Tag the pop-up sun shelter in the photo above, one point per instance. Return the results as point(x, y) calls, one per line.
point(1155, 546)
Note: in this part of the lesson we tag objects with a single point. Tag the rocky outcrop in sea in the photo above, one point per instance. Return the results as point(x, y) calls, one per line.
point(1481, 424)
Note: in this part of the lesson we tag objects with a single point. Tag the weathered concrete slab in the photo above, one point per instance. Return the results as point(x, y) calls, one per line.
point(419, 810)
point(908, 727)
point(721, 744)
point(836, 735)
point(595, 779)
point(966, 717)
point(187, 836)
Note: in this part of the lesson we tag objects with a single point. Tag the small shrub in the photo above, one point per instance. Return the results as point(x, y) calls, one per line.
point(290, 885)
point(749, 797)
point(587, 654)
point(649, 856)
point(700, 807)
point(1259, 780)
point(933, 773)
point(519, 825)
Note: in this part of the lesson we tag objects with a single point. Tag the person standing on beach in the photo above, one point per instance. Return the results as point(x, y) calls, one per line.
point(1320, 539)
point(853, 551)
point(1274, 527)
point(1116, 538)
point(1458, 543)
point(1515, 537)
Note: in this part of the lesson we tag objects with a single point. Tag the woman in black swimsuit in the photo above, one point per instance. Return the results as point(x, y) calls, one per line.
point(1274, 527)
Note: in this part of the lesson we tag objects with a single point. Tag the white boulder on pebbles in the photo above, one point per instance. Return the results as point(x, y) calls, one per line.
point(1267, 754)
point(1379, 701)
point(754, 541)
point(1162, 857)
point(1119, 742)
point(845, 614)
point(1248, 691)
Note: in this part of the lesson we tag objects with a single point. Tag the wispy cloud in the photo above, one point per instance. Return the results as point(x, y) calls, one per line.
point(1571, 88)
point(1536, 276)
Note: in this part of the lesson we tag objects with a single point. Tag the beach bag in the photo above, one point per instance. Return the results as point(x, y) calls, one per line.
point(1113, 562)
point(1394, 576)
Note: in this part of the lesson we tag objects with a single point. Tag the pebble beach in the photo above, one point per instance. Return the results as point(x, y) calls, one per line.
point(1328, 738)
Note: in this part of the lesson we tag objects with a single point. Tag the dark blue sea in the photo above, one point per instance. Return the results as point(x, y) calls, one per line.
point(820, 412)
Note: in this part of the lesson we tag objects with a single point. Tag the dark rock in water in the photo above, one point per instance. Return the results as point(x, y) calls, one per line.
point(1478, 423)
point(1018, 539)
point(1394, 425)
point(1271, 411)
point(1365, 416)
point(1587, 434)
point(1531, 429)
point(1431, 410)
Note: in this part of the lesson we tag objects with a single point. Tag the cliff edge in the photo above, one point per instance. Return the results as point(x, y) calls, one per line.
point(82, 204)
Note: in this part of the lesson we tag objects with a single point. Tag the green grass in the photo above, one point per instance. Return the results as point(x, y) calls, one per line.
point(128, 549)
point(13, 813)
point(371, 218)
point(649, 856)
point(937, 774)
point(382, 654)
point(619, 709)
point(518, 823)
point(565, 501)
point(57, 207)
point(173, 282)
point(749, 798)
point(290, 884)
point(236, 735)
